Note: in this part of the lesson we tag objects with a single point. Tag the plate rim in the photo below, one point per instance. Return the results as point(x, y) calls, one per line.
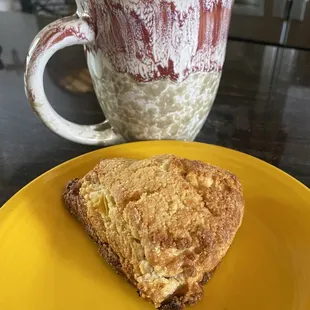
point(250, 157)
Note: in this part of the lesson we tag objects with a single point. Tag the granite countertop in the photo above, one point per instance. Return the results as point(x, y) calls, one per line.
point(262, 107)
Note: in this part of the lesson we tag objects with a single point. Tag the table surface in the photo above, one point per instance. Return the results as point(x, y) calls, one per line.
point(262, 107)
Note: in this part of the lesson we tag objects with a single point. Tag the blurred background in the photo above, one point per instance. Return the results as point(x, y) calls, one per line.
point(283, 22)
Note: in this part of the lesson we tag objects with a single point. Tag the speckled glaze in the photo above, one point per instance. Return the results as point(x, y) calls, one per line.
point(155, 65)
point(161, 109)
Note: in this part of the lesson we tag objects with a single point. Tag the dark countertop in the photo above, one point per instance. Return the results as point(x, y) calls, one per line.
point(262, 107)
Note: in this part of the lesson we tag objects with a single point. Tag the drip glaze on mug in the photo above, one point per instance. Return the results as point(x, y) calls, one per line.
point(152, 40)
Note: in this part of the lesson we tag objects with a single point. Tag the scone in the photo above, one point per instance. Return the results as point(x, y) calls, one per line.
point(164, 223)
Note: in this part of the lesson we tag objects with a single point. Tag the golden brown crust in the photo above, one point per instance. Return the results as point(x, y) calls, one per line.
point(163, 223)
point(76, 206)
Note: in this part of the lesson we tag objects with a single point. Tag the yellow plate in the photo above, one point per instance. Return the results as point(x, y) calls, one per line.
point(47, 261)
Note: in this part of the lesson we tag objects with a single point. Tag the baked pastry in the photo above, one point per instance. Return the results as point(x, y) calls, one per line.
point(164, 223)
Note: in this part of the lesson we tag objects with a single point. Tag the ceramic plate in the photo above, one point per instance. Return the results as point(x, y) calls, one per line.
point(47, 261)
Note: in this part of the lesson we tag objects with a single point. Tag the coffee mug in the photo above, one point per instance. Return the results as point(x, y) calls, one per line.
point(155, 66)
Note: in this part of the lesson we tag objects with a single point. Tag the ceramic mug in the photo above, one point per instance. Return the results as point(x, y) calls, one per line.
point(155, 66)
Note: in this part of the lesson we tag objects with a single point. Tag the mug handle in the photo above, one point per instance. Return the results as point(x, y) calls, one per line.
point(61, 33)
